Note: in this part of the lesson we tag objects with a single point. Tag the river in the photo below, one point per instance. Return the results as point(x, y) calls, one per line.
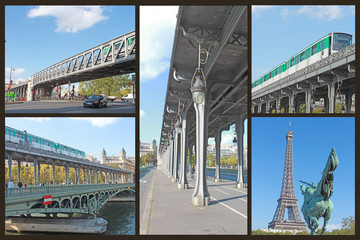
point(119, 215)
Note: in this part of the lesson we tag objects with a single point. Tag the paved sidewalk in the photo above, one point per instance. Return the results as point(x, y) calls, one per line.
point(171, 211)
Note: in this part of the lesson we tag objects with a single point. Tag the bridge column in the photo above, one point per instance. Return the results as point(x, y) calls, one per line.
point(201, 196)
point(35, 175)
point(78, 172)
point(84, 175)
point(171, 157)
point(190, 157)
point(19, 170)
point(75, 177)
point(291, 103)
point(101, 179)
point(106, 181)
point(183, 183)
point(217, 150)
point(53, 168)
point(88, 176)
point(239, 127)
point(10, 165)
point(331, 97)
point(67, 174)
point(39, 167)
point(176, 157)
point(95, 176)
point(308, 93)
point(348, 101)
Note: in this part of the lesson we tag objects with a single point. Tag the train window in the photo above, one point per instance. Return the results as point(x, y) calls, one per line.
point(19, 134)
point(322, 45)
point(308, 53)
point(341, 41)
point(292, 62)
point(302, 56)
point(314, 49)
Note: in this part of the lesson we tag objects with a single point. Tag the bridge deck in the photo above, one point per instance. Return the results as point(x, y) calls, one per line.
point(172, 212)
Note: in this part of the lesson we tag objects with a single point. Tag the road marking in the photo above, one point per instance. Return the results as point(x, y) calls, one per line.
point(234, 189)
point(221, 191)
point(235, 211)
point(142, 181)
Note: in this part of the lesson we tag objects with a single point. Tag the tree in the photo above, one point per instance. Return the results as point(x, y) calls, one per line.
point(111, 86)
point(148, 159)
point(211, 160)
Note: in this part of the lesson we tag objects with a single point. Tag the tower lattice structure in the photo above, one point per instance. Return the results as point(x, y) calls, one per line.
point(287, 215)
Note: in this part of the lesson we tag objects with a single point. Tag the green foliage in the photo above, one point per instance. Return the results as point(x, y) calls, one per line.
point(302, 108)
point(338, 107)
point(317, 110)
point(211, 160)
point(117, 86)
point(347, 228)
point(147, 159)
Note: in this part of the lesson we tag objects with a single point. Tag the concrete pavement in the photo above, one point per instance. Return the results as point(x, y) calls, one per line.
point(168, 210)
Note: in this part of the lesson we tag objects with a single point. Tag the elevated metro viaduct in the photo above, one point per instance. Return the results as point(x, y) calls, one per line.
point(111, 58)
point(24, 152)
point(322, 79)
point(206, 91)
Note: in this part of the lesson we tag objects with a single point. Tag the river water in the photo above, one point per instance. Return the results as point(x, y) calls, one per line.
point(119, 215)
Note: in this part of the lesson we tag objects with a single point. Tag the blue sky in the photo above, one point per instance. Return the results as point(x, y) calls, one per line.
point(86, 134)
point(157, 28)
point(39, 36)
point(278, 32)
point(313, 139)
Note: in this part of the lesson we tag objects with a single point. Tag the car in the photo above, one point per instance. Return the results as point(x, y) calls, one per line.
point(95, 101)
point(128, 97)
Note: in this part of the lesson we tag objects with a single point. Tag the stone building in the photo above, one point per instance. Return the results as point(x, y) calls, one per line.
point(122, 161)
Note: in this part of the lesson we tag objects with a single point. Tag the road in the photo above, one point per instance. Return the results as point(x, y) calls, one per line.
point(68, 107)
point(168, 210)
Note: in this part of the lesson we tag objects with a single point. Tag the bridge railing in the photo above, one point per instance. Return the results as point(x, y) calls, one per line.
point(11, 193)
point(108, 52)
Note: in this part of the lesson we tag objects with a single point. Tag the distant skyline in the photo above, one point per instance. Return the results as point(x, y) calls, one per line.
point(89, 134)
point(278, 32)
point(314, 137)
point(40, 36)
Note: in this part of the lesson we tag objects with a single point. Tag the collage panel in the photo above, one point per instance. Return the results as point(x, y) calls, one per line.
point(303, 178)
point(310, 68)
point(194, 81)
point(62, 178)
point(70, 59)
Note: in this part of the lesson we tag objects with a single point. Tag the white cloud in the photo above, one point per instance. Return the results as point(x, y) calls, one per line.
point(70, 18)
point(15, 74)
point(39, 119)
point(227, 138)
point(328, 13)
point(257, 10)
point(142, 113)
point(97, 121)
point(157, 28)
point(331, 227)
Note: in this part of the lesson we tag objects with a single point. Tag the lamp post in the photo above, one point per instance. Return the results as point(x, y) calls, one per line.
point(201, 196)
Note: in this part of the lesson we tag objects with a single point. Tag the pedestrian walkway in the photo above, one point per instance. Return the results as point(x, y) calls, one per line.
point(169, 210)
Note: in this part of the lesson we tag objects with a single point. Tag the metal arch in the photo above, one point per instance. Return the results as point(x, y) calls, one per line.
point(84, 203)
point(90, 59)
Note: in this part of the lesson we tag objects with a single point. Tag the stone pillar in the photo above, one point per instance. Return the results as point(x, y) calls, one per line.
point(53, 168)
point(201, 196)
point(183, 183)
point(106, 181)
point(35, 174)
point(291, 103)
point(278, 105)
point(79, 175)
point(348, 101)
point(10, 165)
point(217, 160)
point(176, 158)
point(331, 97)
point(95, 175)
point(88, 176)
point(239, 127)
point(101, 179)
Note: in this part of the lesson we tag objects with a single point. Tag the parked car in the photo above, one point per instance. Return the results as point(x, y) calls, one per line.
point(95, 101)
point(128, 97)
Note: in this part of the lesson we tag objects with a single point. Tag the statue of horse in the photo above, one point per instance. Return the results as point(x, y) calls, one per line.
point(317, 201)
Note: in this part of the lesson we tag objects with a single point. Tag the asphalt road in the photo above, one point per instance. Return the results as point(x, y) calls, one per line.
point(68, 107)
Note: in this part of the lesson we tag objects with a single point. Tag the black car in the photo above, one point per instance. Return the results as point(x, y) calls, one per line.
point(95, 101)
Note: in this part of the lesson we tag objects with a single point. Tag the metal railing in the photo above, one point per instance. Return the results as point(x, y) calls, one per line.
point(15, 193)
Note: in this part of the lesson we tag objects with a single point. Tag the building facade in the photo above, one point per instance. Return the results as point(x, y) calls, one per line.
point(122, 161)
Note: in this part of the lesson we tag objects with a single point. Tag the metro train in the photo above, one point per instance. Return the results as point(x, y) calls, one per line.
point(17, 136)
point(117, 45)
point(327, 45)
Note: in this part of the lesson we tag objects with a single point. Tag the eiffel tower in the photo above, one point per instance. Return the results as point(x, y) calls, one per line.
point(287, 203)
